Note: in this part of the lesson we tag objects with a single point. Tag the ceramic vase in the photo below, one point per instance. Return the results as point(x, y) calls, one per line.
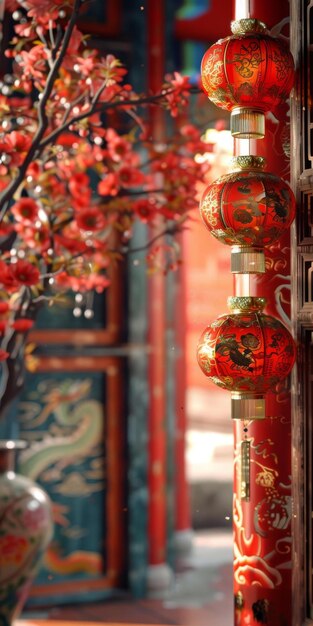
point(25, 532)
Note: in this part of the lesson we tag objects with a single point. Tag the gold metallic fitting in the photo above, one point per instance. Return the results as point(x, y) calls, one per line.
point(247, 260)
point(247, 123)
point(246, 304)
point(248, 162)
point(245, 467)
point(247, 407)
point(247, 25)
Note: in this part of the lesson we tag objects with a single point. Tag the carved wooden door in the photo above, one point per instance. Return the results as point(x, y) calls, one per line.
point(302, 178)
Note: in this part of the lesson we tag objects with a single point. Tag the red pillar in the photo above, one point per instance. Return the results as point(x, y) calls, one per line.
point(159, 574)
point(262, 526)
point(183, 533)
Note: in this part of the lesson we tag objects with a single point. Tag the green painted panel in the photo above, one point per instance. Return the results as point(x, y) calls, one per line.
point(60, 315)
point(61, 415)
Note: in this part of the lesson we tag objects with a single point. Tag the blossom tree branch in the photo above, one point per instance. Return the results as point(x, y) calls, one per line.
point(78, 170)
point(62, 47)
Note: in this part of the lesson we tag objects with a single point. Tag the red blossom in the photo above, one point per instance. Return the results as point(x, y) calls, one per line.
point(118, 147)
point(22, 325)
point(25, 210)
point(78, 184)
point(91, 219)
point(35, 238)
point(54, 217)
point(130, 177)
point(11, 5)
point(72, 245)
point(5, 229)
point(25, 273)
point(33, 170)
point(15, 145)
point(145, 209)
point(7, 278)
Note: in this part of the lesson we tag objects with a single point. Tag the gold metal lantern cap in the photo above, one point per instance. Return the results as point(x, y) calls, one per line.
point(246, 304)
point(247, 25)
point(249, 162)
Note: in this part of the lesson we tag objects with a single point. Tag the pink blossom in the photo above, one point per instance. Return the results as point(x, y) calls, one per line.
point(42, 10)
point(118, 147)
point(111, 69)
point(34, 61)
point(177, 96)
point(86, 64)
point(109, 185)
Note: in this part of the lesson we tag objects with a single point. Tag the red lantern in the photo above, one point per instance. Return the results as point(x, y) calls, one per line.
point(248, 353)
point(248, 73)
point(248, 210)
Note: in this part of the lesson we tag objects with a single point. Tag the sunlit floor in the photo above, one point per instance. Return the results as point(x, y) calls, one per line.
point(201, 594)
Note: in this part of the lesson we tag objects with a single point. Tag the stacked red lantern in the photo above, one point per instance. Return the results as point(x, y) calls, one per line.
point(248, 73)
point(248, 209)
point(248, 353)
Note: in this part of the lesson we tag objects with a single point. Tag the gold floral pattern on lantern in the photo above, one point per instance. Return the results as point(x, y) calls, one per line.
point(213, 67)
point(248, 59)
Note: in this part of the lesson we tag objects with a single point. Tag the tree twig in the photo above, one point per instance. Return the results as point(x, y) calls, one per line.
point(102, 109)
point(171, 230)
